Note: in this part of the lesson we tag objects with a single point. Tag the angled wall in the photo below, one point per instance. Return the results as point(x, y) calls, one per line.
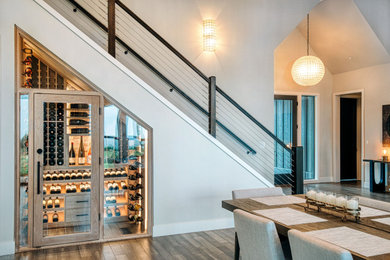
point(192, 172)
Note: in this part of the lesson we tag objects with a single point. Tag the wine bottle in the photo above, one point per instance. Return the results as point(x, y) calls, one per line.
point(79, 106)
point(89, 157)
point(55, 216)
point(123, 185)
point(81, 154)
point(109, 213)
point(78, 122)
point(45, 218)
point(72, 156)
point(44, 204)
point(50, 203)
point(80, 131)
point(117, 212)
point(79, 114)
point(57, 203)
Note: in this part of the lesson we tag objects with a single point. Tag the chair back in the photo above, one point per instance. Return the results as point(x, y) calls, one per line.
point(257, 236)
point(306, 247)
point(257, 193)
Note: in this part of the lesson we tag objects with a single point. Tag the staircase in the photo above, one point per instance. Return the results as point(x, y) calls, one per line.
point(116, 28)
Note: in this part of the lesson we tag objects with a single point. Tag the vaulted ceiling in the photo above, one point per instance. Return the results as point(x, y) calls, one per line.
point(343, 38)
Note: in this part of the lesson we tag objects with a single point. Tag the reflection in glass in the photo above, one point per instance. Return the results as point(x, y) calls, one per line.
point(23, 169)
point(125, 170)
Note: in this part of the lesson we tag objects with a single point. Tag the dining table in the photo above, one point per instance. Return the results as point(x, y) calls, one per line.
point(366, 238)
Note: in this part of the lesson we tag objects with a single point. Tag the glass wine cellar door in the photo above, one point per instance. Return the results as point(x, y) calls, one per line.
point(66, 168)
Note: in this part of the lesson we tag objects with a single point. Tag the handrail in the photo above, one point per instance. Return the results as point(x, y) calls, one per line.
point(201, 74)
point(170, 83)
point(161, 39)
point(246, 113)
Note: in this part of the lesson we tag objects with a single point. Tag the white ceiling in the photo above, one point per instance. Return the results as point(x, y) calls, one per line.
point(342, 38)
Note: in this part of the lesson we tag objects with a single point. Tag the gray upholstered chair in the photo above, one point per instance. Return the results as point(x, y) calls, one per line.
point(307, 247)
point(378, 204)
point(256, 193)
point(258, 237)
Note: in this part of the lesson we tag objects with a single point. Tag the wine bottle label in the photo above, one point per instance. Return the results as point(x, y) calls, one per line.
point(81, 160)
point(72, 161)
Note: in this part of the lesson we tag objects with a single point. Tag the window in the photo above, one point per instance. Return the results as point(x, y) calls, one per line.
point(284, 107)
point(308, 136)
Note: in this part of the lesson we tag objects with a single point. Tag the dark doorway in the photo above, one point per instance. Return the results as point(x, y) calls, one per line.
point(348, 139)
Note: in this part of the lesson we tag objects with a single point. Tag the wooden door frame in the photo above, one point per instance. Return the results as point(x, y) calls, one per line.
point(336, 134)
point(294, 98)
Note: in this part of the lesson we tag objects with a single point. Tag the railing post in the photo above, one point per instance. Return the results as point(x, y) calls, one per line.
point(212, 106)
point(297, 169)
point(111, 27)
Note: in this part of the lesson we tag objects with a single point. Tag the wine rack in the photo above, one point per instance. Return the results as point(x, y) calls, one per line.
point(64, 192)
point(53, 134)
point(124, 193)
point(37, 74)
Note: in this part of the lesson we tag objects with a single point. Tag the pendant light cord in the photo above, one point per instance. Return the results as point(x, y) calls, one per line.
point(308, 35)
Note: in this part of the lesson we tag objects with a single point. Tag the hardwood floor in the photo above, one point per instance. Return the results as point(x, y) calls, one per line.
point(216, 244)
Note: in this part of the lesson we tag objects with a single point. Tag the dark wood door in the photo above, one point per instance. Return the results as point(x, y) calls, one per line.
point(348, 136)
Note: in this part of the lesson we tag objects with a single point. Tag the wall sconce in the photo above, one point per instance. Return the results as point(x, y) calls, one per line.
point(209, 35)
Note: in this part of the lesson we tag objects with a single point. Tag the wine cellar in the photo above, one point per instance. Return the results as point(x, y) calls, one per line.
point(84, 168)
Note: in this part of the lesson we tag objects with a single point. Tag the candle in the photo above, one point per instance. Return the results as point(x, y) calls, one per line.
point(331, 199)
point(352, 204)
point(311, 194)
point(321, 197)
point(341, 202)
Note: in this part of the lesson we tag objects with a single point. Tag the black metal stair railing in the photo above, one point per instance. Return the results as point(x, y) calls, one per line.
point(258, 142)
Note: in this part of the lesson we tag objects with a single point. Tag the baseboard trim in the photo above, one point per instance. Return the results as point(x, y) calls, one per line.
point(319, 180)
point(7, 248)
point(194, 226)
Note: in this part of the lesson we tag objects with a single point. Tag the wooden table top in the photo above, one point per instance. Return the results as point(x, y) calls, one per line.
point(365, 224)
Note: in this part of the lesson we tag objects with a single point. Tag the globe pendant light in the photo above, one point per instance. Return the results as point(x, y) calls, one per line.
point(308, 70)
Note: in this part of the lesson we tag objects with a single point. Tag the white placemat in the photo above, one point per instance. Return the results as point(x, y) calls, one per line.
point(354, 240)
point(371, 212)
point(385, 221)
point(279, 200)
point(289, 216)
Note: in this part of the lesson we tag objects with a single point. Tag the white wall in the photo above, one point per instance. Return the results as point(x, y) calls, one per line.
point(293, 47)
point(192, 173)
point(248, 31)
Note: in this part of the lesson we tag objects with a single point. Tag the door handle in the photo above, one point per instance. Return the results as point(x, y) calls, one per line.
point(38, 177)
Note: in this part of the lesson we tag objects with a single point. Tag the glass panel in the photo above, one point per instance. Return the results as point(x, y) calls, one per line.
point(23, 169)
point(66, 168)
point(125, 164)
point(308, 136)
point(284, 131)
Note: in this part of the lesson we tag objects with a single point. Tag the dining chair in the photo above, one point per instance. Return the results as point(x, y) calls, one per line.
point(307, 247)
point(256, 193)
point(258, 237)
point(378, 204)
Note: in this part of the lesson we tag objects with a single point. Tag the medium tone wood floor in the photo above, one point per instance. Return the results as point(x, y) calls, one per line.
point(216, 244)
